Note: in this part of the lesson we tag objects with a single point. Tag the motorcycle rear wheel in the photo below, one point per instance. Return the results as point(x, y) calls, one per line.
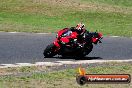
point(49, 51)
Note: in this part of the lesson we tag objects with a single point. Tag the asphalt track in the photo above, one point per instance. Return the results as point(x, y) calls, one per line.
point(28, 48)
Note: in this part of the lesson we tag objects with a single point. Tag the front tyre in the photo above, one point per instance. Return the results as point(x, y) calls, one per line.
point(88, 49)
point(49, 51)
point(85, 52)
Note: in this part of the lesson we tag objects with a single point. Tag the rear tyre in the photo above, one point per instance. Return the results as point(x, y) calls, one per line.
point(49, 51)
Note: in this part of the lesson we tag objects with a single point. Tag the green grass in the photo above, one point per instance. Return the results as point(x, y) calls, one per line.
point(66, 78)
point(110, 18)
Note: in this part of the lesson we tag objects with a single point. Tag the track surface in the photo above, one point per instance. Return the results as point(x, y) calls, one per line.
point(28, 48)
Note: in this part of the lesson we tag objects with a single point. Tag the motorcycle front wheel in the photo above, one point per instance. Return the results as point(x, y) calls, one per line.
point(49, 51)
point(88, 49)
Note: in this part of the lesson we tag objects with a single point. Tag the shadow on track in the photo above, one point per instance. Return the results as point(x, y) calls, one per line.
point(89, 58)
point(83, 58)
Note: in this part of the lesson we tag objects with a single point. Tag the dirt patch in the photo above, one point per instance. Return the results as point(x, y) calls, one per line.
point(77, 5)
point(105, 8)
point(57, 7)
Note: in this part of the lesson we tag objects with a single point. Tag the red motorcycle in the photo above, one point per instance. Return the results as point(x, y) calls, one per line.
point(67, 44)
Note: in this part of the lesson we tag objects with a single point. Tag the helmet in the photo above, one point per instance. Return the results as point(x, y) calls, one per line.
point(80, 26)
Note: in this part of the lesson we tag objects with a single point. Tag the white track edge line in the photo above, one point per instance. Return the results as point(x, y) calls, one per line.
point(59, 63)
point(52, 33)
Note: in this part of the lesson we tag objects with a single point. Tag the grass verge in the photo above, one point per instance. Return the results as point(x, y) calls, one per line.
point(63, 78)
point(106, 16)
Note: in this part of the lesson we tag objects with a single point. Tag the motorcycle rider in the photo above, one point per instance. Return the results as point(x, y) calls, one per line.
point(81, 33)
point(80, 29)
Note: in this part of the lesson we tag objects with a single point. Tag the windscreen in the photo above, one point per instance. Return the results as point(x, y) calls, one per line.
point(67, 33)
